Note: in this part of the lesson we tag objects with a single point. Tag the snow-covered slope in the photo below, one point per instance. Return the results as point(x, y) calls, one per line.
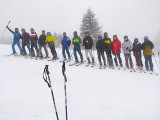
point(93, 94)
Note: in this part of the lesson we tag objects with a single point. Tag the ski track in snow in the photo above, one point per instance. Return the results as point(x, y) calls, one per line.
point(93, 94)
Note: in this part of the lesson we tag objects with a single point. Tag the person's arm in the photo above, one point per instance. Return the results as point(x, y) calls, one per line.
point(9, 29)
point(91, 41)
point(53, 39)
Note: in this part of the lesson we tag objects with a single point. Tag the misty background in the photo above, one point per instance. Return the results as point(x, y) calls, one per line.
point(135, 18)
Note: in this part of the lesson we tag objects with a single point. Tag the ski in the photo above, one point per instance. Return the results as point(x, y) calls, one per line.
point(73, 63)
point(80, 63)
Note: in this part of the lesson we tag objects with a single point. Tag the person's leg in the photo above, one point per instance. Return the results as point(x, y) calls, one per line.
point(140, 56)
point(23, 48)
point(115, 60)
point(46, 51)
point(54, 52)
point(40, 51)
point(67, 50)
point(91, 55)
point(150, 62)
point(109, 57)
point(80, 53)
point(99, 57)
point(126, 60)
point(130, 60)
point(87, 56)
point(29, 49)
point(75, 53)
point(146, 62)
point(120, 60)
point(19, 46)
point(103, 57)
point(13, 46)
point(63, 52)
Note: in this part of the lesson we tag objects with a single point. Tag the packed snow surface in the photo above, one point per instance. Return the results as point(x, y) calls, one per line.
point(92, 94)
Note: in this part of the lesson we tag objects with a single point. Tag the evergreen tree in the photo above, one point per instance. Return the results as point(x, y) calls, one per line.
point(90, 24)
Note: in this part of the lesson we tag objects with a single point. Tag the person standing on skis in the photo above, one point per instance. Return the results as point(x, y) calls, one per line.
point(17, 37)
point(76, 42)
point(137, 53)
point(88, 44)
point(108, 43)
point(42, 44)
point(51, 44)
point(66, 42)
point(116, 50)
point(147, 47)
point(127, 47)
point(33, 38)
point(25, 41)
point(100, 46)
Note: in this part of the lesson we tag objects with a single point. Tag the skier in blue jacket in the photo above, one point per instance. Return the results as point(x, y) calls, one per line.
point(17, 37)
point(65, 46)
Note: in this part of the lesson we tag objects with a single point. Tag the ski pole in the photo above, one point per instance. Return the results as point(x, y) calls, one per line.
point(156, 61)
point(65, 81)
point(5, 30)
point(46, 78)
point(159, 58)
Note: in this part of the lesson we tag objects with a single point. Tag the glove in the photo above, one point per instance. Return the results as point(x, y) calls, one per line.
point(126, 48)
point(7, 26)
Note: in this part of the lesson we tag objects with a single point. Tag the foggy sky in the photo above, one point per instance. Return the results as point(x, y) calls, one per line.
point(135, 18)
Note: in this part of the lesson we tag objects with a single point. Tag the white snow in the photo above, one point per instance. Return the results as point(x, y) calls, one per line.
point(93, 94)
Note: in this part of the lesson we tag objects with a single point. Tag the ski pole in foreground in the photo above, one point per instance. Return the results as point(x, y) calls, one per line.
point(156, 62)
point(46, 78)
point(5, 30)
point(65, 81)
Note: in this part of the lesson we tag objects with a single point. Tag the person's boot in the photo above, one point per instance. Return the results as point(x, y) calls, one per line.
point(92, 60)
point(116, 64)
point(121, 65)
point(89, 62)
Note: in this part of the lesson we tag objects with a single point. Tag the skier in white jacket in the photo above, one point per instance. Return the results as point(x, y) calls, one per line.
point(127, 47)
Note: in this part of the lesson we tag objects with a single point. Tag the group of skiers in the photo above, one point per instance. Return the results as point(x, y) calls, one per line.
point(104, 46)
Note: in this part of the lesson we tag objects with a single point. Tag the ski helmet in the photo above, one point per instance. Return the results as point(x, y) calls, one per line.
point(135, 39)
point(75, 32)
point(106, 34)
point(32, 30)
point(145, 37)
point(16, 29)
point(64, 33)
point(126, 37)
point(48, 33)
point(99, 37)
point(23, 29)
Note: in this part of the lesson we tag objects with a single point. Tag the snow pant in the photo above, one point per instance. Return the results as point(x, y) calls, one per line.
point(128, 58)
point(53, 51)
point(101, 54)
point(138, 59)
point(18, 44)
point(119, 59)
point(34, 45)
point(77, 49)
point(24, 44)
point(148, 59)
point(109, 57)
point(64, 48)
point(45, 49)
point(88, 51)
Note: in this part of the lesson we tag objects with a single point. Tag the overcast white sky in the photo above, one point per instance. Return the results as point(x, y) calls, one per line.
point(121, 17)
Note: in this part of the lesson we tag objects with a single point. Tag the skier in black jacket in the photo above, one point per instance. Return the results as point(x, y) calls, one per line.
point(108, 43)
point(33, 38)
point(88, 43)
point(42, 43)
point(100, 46)
point(25, 41)
point(137, 53)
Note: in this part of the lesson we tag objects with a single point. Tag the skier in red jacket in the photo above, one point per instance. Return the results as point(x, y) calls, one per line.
point(116, 50)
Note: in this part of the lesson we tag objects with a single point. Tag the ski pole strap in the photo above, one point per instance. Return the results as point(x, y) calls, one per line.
point(45, 75)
